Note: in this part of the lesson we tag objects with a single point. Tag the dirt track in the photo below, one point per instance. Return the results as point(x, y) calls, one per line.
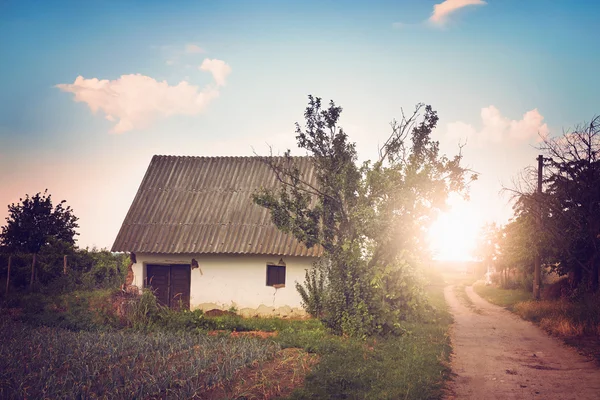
point(497, 355)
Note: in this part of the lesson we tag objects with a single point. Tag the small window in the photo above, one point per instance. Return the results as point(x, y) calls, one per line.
point(276, 275)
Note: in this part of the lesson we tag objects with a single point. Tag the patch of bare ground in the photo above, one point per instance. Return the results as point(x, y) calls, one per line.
point(257, 334)
point(218, 313)
point(277, 377)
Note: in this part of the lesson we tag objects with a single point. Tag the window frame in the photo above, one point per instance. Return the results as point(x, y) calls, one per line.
point(278, 267)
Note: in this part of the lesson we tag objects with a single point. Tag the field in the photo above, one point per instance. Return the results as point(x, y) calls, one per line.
point(191, 355)
point(56, 363)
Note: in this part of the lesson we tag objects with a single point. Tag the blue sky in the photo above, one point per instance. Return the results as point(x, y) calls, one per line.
point(497, 72)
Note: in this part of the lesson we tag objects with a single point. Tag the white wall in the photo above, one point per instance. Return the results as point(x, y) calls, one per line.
point(223, 281)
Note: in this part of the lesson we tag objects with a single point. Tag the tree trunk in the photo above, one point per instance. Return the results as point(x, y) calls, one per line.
point(594, 276)
point(32, 273)
point(8, 274)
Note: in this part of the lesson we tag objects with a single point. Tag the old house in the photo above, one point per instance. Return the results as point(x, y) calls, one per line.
point(197, 239)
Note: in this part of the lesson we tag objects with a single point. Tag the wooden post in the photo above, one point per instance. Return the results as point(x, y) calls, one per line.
point(64, 265)
point(537, 266)
point(32, 273)
point(8, 274)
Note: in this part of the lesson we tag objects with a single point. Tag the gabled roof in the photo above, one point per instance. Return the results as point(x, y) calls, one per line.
point(203, 205)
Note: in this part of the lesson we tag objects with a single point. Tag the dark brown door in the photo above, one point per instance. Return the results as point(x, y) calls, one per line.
point(170, 284)
point(180, 287)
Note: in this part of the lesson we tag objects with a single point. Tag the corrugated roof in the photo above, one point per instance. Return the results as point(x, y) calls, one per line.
point(203, 205)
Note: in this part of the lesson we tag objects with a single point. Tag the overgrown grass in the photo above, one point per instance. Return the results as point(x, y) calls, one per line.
point(411, 366)
point(502, 297)
point(562, 317)
point(56, 363)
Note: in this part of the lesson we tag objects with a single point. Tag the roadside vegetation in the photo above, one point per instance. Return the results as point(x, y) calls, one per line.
point(559, 227)
point(502, 297)
point(576, 321)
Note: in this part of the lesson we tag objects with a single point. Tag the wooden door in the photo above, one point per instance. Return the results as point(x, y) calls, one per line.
point(180, 287)
point(170, 284)
point(158, 281)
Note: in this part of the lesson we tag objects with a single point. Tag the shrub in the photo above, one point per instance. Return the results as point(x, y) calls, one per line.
point(313, 292)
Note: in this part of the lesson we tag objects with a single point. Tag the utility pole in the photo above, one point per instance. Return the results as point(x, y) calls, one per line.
point(537, 269)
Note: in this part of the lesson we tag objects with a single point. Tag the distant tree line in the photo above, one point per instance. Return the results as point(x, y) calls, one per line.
point(39, 241)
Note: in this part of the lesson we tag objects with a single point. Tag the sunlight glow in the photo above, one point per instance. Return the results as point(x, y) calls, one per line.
point(453, 236)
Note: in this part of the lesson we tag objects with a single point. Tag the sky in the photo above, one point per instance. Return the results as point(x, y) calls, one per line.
point(92, 89)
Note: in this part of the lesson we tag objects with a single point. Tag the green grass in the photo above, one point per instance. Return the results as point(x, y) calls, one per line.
point(502, 297)
point(411, 366)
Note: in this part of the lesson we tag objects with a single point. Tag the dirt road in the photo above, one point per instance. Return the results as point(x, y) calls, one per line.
point(497, 355)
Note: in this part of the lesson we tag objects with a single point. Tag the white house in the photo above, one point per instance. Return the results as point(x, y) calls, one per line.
point(199, 241)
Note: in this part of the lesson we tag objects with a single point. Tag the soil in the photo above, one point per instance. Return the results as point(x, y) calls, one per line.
point(271, 379)
point(497, 355)
point(218, 313)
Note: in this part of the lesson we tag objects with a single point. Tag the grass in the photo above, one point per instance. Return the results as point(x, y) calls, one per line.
point(502, 297)
point(56, 363)
point(412, 366)
point(461, 294)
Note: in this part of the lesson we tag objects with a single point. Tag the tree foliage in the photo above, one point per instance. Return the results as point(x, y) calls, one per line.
point(34, 222)
point(369, 218)
point(569, 207)
point(572, 202)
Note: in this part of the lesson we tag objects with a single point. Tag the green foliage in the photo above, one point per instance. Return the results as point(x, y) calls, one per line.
point(313, 292)
point(54, 363)
point(86, 269)
point(411, 366)
point(502, 297)
point(142, 311)
point(569, 208)
point(33, 222)
point(368, 218)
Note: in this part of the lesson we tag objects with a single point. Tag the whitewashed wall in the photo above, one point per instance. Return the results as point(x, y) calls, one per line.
point(224, 281)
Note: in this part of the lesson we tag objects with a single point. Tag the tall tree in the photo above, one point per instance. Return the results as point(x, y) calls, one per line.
point(572, 201)
point(570, 205)
point(34, 222)
point(370, 218)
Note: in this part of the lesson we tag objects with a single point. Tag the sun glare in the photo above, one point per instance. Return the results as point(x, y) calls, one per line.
point(453, 236)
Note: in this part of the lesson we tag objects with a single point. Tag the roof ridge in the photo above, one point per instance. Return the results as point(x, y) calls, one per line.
point(221, 157)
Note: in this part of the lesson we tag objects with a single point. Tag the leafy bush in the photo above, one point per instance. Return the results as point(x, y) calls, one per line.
point(313, 292)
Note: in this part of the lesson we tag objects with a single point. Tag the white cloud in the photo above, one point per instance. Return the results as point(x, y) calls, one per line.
point(398, 25)
point(218, 68)
point(134, 101)
point(498, 128)
point(193, 49)
point(442, 10)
